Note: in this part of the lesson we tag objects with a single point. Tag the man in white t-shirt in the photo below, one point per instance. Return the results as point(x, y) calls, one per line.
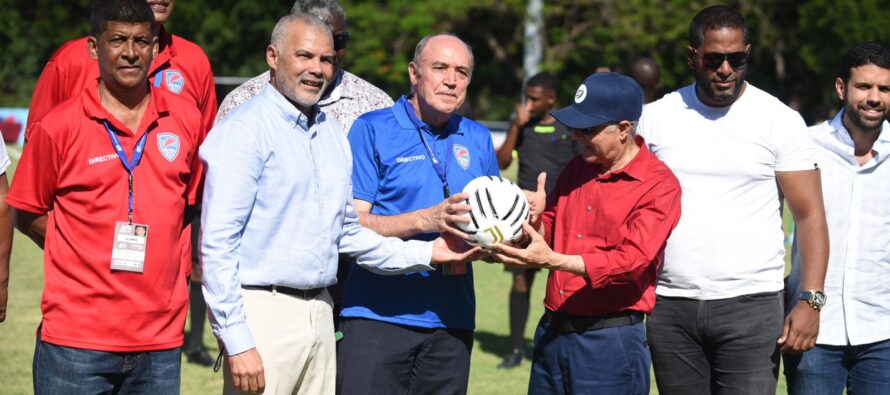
point(853, 348)
point(718, 323)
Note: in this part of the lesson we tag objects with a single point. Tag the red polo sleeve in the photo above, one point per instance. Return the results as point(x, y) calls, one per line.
point(36, 177)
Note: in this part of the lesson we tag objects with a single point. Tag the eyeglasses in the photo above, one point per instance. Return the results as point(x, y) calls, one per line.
point(714, 60)
point(340, 40)
point(588, 132)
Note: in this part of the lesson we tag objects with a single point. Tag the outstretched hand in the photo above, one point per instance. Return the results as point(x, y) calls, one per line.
point(449, 249)
point(537, 254)
point(442, 217)
point(537, 200)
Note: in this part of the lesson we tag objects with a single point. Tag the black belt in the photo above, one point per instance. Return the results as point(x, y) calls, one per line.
point(566, 323)
point(296, 292)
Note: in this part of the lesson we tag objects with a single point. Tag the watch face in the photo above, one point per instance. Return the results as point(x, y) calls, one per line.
point(819, 298)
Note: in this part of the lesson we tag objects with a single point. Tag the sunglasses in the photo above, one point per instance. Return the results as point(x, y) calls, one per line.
point(340, 40)
point(594, 130)
point(714, 60)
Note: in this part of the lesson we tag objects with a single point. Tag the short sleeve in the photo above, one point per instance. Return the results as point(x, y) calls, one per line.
point(795, 150)
point(365, 172)
point(36, 179)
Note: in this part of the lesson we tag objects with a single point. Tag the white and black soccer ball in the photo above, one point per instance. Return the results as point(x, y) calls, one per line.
point(499, 210)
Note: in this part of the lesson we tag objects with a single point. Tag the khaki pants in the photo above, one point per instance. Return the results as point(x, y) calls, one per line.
point(295, 339)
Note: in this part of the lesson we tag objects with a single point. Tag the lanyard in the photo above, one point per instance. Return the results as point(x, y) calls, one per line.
point(441, 168)
point(129, 165)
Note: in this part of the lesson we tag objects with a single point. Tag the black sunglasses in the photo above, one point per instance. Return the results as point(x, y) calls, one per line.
point(714, 60)
point(340, 40)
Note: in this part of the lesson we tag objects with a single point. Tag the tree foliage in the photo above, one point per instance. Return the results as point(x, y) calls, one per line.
point(796, 44)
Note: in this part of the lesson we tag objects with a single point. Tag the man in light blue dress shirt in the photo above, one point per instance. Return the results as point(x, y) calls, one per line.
point(277, 211)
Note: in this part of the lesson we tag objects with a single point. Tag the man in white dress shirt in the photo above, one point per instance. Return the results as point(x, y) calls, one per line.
point(853, 348)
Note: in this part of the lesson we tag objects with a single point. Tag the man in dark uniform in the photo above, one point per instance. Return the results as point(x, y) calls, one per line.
point(543, 145)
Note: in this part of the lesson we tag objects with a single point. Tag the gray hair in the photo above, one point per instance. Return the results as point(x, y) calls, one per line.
point(421, 45)
point(279, 33)
point(326, 10)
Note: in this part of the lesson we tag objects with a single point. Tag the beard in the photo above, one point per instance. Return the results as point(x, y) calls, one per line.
point(862, 123)
point(721, 98)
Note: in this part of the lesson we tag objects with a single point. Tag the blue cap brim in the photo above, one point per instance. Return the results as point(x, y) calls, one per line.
point(574, 119)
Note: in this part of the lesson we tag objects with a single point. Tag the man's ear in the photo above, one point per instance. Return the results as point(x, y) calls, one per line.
point(93, 47)
point(272, 56)
point(690, 54)
point(841, 88)
point(413, 73)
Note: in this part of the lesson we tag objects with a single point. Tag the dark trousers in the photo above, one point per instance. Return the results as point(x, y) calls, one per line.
point(828, 370)
point(382, 358)
point(68, 370)
point(724, 346)
point(598, 361)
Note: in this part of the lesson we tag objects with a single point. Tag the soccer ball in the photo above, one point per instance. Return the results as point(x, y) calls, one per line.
point(499, 208)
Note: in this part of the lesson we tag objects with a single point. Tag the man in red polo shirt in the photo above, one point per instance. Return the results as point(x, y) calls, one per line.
point(104, 185)
point(180, 67)
point(602, 235)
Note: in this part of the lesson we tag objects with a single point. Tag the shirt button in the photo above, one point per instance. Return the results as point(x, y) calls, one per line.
point(589, 208)
point(579, 236)
point(562, 292)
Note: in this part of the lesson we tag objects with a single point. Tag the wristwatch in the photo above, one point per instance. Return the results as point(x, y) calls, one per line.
point(814, 297)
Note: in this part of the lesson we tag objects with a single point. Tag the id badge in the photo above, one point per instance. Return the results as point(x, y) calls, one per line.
point(128, 252)
point(455, 269)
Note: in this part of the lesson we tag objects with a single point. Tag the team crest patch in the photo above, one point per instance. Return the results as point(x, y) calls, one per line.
point(168, 144)
point(462, 154)
point(174, 81)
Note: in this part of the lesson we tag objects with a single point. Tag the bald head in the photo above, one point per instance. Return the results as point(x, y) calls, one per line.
point(645, 72)
point(441, 39)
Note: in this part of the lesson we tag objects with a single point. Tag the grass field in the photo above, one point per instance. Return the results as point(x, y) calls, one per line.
point(492, 287)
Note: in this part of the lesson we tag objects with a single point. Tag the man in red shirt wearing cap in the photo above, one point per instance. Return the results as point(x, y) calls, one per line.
point(103, 185)
point(602, 235)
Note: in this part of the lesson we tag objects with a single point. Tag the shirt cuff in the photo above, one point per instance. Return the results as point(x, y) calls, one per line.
point(236, 339)
point(595, 267)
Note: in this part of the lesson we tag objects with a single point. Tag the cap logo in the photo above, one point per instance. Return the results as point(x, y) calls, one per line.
point(581, 94)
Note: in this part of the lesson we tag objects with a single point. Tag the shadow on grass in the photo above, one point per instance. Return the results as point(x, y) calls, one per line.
point(497, 344)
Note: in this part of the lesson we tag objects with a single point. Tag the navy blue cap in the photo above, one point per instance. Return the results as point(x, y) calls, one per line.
point(602, 98)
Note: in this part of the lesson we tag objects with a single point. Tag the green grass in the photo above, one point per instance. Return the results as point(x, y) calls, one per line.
point(492, 289)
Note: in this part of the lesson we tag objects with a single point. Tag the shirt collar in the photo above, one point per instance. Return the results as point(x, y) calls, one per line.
point(337, 91)
point(93, 109)
point(288, 110)
point(841, 133)
point(165, 41)
point(407, 119)
point(638, 167)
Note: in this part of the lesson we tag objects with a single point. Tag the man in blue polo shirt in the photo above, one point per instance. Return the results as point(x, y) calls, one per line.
point(414, 333)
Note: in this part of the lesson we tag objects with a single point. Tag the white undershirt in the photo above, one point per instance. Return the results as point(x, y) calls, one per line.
point(729, 241)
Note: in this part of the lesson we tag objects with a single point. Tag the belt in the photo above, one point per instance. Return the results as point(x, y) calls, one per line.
point(566, 323)
point(295, 292)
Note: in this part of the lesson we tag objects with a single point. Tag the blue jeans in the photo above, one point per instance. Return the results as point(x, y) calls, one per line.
point(68, 370)
point(862, 370)
point(723, 346)
point(599, 361)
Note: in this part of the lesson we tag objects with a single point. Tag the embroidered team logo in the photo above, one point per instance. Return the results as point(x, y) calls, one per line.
point(174, 81)
point(168, 144)
point(462, 154)
point(581, 94)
